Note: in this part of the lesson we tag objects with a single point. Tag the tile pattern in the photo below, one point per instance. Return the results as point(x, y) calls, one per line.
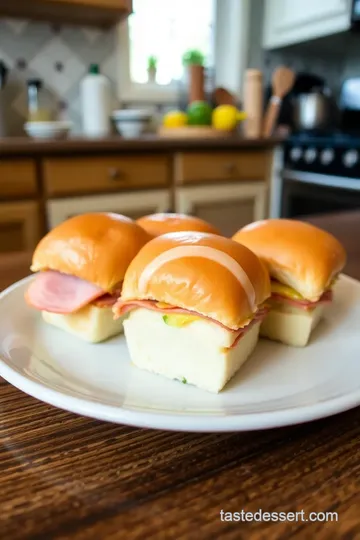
point(58, 55)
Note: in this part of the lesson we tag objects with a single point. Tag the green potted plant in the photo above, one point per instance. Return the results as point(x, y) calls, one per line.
point(194, 61)
point(152, 67)
point(193, 57)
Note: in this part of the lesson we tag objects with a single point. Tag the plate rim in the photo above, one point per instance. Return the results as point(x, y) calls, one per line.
point(171, 421)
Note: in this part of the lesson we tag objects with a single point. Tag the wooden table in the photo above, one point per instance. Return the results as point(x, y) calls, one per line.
point(63, 476)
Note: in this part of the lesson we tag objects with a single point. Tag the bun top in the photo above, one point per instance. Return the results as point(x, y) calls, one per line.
point(96, 247)
point(157, 224)
point(297, 254)
point(201, 272)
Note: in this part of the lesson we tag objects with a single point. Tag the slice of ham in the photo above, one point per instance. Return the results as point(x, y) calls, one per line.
point(106, 301)
point(303, 304)
point(122, 308)
point(260, 316)
point(60, 293)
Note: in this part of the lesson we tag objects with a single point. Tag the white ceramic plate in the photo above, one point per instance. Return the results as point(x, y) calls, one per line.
point(278, 386)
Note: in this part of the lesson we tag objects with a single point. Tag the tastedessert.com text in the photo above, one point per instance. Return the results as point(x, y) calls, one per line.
point(260, 515)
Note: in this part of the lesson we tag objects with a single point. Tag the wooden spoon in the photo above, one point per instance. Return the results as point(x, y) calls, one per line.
point(282, 82)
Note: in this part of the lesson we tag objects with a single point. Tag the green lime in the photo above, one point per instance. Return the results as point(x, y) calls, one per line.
point(199, 114)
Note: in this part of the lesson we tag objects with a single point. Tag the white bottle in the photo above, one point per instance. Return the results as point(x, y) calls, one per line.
point(95, 100)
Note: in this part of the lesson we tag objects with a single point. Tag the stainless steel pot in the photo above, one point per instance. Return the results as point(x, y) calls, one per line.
point(314, 111)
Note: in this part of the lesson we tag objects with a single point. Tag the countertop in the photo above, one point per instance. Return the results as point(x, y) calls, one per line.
point(64, 476)
point(26, 146)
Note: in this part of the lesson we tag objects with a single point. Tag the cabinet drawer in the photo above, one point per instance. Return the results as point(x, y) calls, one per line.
point(17, 178)
point(208, 167)
point(81, 175)
point(20, 227)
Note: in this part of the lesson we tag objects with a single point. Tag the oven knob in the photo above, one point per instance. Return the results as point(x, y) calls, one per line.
point(295, 153)
point(310, 155)
point(350, 158)
point(327, 156)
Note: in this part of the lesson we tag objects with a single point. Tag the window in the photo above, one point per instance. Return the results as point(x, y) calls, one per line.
point(165, 29)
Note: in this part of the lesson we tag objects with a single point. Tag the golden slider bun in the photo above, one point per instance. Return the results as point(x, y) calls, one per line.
point(96, 247)
point(297, 254)
point(198, 281)
point(157, 224)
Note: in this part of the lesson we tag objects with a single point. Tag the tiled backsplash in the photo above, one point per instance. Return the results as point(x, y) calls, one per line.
point(60, 56)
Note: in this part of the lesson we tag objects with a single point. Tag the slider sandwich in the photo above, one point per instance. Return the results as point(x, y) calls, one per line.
point(195, 302)
point(81, 266)
point(304, 262)
point(157, 224)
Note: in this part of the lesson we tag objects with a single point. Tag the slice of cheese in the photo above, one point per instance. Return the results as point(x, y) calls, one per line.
point(284, 290)
point(90, 323)
point(197, 353)
point(289, 292)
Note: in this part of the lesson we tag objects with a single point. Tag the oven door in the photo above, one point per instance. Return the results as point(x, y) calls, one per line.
point(301, 199)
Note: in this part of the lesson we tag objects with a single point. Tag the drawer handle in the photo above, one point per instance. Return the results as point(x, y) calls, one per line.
point(230, 168)
point(115, 174)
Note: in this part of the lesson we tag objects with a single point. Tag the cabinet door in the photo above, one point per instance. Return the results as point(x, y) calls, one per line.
point(133, 205)
point(17, 178)
point(292, 21)
point(228, 207)
point(19, 226)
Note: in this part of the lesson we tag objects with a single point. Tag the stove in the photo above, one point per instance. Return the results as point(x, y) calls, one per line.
point(321, 169)
point(331, 154)
point(321, 174)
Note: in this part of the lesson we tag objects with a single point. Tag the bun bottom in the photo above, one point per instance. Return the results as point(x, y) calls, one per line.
point(92, 324)
point(192, 354)
point(294, 328)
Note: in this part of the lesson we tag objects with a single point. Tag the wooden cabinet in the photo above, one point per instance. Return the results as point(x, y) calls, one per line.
point(294, 21)
point(19, 226)
point(227, 206)
point(103, 174)
point(226, 187)
point(17, 178)
point(133, 205)
point(100, 13)
point(227, 166)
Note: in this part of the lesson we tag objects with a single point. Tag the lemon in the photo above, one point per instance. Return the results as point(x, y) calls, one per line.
point(226, 117)
point(175, 119)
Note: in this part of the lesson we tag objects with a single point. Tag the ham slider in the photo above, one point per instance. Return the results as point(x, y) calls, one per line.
point(81, 266)
point(303, 262)
point(157, 224)
point(195, 303)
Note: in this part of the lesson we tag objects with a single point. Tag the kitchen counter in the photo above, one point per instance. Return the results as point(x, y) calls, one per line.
point(65, 476)
point(26, 146)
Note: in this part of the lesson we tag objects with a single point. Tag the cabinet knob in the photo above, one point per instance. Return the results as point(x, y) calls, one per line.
point(115, 174)
point(230, 168)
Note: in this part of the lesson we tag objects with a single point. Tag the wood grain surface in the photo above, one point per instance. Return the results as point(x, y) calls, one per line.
point(64, 476)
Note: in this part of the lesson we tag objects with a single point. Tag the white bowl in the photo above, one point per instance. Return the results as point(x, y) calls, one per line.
point(48, 130)
point(131, 123)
